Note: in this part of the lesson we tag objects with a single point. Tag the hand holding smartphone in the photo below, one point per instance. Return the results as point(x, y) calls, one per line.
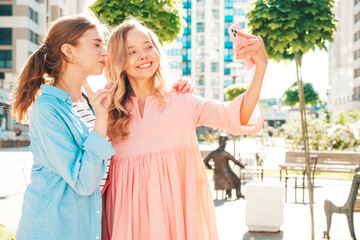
point(248, 62)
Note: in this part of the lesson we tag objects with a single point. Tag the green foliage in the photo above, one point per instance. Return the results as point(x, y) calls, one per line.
point(266, 103)
point(346, 117)
point(5, 234)
point(290, 26)
point(291, 95)
point(234, 90)
point(162, 16)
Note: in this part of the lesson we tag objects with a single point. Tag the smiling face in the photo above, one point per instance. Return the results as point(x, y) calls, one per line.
point(144, 58)
point(90, 53)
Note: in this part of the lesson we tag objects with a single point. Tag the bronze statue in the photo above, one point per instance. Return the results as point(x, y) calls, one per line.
point(224, 177)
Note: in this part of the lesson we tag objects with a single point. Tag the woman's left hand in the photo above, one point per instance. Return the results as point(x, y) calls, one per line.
point(183, 85)
point(252, 47)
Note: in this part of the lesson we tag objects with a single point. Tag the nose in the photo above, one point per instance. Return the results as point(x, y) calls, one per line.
point(103, 51)
point(143, 54)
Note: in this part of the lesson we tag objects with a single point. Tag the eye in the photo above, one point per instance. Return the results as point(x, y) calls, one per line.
point(132, 52)
point(151, 46)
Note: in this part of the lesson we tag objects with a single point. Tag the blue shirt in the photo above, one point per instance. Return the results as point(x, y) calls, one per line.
point(63, 200)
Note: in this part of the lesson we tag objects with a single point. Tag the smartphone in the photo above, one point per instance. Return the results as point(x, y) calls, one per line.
point(248, 62)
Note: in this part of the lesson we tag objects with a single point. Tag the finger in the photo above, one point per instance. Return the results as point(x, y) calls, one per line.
point(247, 49)
point(100, 97)
point(183, 82)
point(176, 85)
point(245, 43)
point(99, 92)
point(244, 35)
point(86, 85)
point(192, 90)
point(187, 87)
point(108, 86)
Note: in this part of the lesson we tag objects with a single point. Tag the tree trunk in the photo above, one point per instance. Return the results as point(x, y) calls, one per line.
point(298, 59)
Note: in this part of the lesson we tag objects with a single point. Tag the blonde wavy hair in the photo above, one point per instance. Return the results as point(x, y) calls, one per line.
point(117, 62)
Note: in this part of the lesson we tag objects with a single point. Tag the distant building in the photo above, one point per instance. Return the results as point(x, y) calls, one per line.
point(205, 49)
point(344, 73)
point(23, 24)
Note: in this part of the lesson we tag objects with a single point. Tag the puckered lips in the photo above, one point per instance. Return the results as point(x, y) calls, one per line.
point(145, 65)
point(102, 63)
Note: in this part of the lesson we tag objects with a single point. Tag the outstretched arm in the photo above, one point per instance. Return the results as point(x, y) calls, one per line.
point(207, 159)
point(255, 48)
point(235, 161)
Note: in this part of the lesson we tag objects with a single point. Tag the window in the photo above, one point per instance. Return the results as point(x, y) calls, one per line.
point(186, 52)
point(186, 41)
point(200, 27)
point(228, 54)
point(200, 13)
point(5, 59)
point(200, 80)
point(215, 27)
point(215, 14)
point(215, 3)
point(175, 65)
point(239, 12)
point(5, 10)
point(201, 2)
point(200, 67)
point(229, 3)
point(214, 80)
point(33, 15)
point(200, 53)
point(357, 17)
point(357, 73)
point(33, 37)
point(200, 40)
point(214, 67)
point(5, 36)
point(186, 68)
point(188, 15)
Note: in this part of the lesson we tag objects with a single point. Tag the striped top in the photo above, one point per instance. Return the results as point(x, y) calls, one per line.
point(88, 117)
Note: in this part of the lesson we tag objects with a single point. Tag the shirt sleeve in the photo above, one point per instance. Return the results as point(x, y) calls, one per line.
point(226, 115)
point(82, 167)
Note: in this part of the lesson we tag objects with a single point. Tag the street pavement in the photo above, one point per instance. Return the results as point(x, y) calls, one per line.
point(15, 166)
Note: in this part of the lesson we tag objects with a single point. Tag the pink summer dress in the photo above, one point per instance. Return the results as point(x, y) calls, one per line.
point(157, 187)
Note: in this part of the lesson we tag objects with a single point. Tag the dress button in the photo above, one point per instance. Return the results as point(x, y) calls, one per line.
point(86, 135)
point(98, 211)
point(97, 237)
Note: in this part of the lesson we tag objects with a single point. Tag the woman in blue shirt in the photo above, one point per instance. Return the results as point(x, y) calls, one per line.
point(69, 146)
point(63, 200)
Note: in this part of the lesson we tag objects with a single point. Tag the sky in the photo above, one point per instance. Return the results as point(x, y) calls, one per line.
point(280, 76)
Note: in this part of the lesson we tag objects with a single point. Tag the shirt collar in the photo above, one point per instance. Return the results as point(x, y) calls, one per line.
point(56, 92)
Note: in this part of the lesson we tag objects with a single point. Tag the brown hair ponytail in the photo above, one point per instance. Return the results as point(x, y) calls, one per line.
point(29, 83)
point(47, 61)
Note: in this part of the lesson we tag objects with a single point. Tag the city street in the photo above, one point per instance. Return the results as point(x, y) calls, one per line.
point(230, 214)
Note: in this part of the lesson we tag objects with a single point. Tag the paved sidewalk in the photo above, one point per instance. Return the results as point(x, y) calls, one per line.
point(230, 214)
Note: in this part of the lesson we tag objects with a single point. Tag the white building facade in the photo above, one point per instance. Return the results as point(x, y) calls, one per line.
point(23, 23)
point(344, 69)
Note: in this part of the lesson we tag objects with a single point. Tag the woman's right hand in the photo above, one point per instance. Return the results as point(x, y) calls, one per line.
point(100, 102)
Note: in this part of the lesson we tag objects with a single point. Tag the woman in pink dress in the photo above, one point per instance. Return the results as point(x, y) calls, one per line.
point(157, 188)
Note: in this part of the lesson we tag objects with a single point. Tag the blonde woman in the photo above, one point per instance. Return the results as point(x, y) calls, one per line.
point(157, 186)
